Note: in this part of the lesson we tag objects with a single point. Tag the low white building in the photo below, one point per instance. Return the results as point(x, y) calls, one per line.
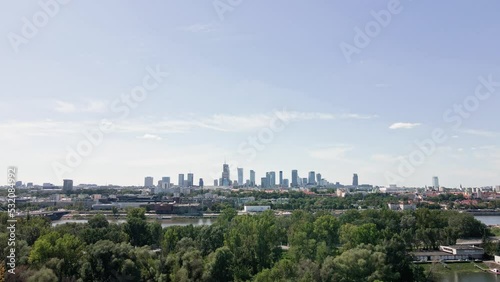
point(256, 208)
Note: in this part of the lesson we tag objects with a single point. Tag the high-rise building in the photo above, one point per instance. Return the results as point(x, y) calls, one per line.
point(295, 178)
point(285, 183)
point(216, 182)
point(355, 181)
point(252, 178)
point(304, 181)
point(272, 179)
point(148, 182)
point(281, 178)
point(226, 180)
point(240, 176)
point(68, 185)
point(312, 177)
point(165, 182)
point(181, 180)
point(200, 183)
point(435, 182)
point(190, 180)
point(318, 179)
point(263, 182)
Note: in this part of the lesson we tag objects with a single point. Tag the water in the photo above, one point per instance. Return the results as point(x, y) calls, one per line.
point(164, 223)
point(489, 220)
point(470, 277)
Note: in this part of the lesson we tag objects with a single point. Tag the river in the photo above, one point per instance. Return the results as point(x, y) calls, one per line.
point(164, 222)
point(469, 277)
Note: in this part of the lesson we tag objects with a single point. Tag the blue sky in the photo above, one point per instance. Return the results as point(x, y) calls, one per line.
point(229, 76)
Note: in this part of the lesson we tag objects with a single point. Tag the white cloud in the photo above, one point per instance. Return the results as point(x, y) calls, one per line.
point(91, 106)
point(95, 107)
point(404, 125)
point(150, 137)
point(65, 107)
point(483, 133)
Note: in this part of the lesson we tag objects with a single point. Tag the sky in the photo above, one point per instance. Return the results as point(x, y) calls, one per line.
point(109, 92)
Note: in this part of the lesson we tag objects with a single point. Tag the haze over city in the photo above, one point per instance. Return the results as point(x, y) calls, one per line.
point(267, 86)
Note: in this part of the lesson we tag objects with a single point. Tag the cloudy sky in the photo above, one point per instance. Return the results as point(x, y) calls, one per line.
point(265, 85)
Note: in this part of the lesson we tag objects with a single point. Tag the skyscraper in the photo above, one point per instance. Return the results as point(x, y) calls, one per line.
point(295, 178)
point(190, 180)
point(200, 183)
point(304, 181)
point(68, 185)
point(263, 182)
point(252, 178)
point(216, 182)
point(181, 180)
point(435, 182)
point(148, 181)
point(285, 183)
point(355, 181)
point(165, 182)
point(272, 179)
point(312, 177)
point(226, 180)
point(281, 178)
point(318, 178)
point(240, 176)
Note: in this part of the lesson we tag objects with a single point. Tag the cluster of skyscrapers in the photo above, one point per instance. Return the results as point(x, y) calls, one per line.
point(166, 183)
point(269, 181)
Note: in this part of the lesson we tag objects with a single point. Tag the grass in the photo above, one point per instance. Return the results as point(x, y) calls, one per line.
point(495, 230)
point(438, 268)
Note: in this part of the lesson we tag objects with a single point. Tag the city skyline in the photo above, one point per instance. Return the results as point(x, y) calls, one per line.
point(262, 89)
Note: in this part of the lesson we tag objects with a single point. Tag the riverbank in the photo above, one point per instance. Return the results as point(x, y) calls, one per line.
point(439, 268)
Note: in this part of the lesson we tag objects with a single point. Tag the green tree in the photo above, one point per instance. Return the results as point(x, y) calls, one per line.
point(219, 266)
point(136, 227)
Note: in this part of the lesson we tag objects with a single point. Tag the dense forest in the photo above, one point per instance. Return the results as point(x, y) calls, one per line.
point(369, 245)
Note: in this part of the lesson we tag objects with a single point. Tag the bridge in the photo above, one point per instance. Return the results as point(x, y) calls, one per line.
point(52, 215)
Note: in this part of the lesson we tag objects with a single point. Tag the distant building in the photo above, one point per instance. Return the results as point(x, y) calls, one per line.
point(30, 185)
point(355, 180)
point(272, 179)
point(200, 183)
point(263, 182)
point(48, 186)
point(216, 182)
point(295, 178)
point(165, 182)
point(190, 180)
point(304, 181)
point(225, 180)
point(148, 182)
point(281, 178)
point(67, 185)
point(240, 176)
point(256, 208)
point(18, 184)
point(180, 182)
point(285, 183)
point(312, 177)
point(252, 178)
point(435, 182)
point(318, 179)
